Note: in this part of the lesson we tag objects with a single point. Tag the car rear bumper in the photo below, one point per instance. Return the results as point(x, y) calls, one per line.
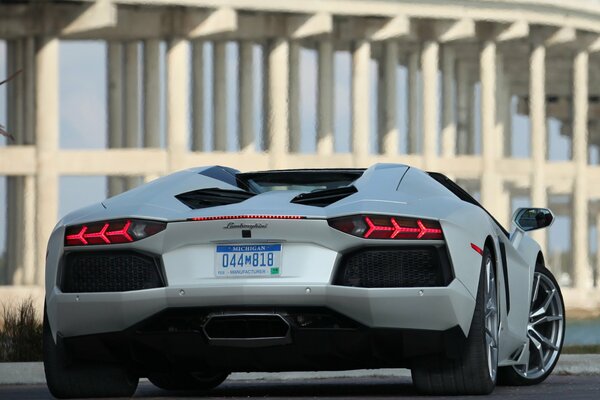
point(304, 338)
point(434, 308)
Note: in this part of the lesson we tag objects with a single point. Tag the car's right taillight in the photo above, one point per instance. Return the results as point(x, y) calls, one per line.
point(388, 227)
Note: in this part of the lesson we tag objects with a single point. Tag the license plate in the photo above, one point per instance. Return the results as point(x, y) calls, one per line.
point(248, 260)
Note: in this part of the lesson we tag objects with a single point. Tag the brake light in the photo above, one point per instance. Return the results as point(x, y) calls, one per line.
point(224, 217)
point(111, 232)
point(388, 227)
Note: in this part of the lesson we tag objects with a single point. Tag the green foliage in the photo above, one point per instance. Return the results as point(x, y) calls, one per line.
point(20, 333)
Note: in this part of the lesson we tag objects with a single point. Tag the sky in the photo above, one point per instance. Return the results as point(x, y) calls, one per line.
point(83, 118)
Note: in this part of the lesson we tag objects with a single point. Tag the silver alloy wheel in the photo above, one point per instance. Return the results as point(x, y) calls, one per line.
point(491, 320)
point(545, 328)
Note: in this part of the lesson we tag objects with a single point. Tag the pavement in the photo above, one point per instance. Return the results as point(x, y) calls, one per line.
point(32, 373)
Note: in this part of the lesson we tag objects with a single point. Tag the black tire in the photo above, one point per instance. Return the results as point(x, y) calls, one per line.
point(468, 374)
point(510, 375)
point(67, 379)
point(186, 380)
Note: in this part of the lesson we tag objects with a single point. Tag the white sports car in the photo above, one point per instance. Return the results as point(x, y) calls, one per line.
point(210, 271)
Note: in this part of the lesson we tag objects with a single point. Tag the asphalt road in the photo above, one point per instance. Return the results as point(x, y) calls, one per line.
point(562, 387)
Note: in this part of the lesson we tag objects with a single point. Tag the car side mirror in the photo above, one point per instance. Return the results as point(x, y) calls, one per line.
point(529, 219)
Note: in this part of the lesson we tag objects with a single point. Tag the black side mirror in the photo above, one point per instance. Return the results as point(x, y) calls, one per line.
point(529, 219)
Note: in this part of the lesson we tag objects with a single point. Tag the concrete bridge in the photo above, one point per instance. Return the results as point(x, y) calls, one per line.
point(479, 56)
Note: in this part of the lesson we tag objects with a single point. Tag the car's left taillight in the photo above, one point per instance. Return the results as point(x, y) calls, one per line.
point(111, 232)
point(388, 227)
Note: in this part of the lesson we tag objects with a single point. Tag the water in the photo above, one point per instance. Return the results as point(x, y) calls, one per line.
point(583, 332)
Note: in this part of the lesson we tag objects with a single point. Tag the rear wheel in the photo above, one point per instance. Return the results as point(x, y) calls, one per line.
point(186, 380)
point(475, 370)
point(67, 378)
point(545, 333)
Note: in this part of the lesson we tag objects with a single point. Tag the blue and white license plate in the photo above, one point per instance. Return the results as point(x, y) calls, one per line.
point(248, 260)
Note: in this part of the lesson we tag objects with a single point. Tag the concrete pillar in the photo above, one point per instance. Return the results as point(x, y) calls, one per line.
point(413, 102)
point(471, 80)
point(537, 116)
point(13, 183)
point(462, 105)
point(177, 101)
point(197, 95)
point(246, 96)
point(220, 96)
point(29, 182)
point(294, 97)
point(504, 208)
point(449, 102)
point(325, 99)
point(580, 249)
point(151, 137)
point(132, 103)
point(361, 102)
point(388, 117)
point(504, 111)
point(115, 107)
point(430, 64)
point(47, 134)
point(597, 250)
point(278, 100)
point(491, 184)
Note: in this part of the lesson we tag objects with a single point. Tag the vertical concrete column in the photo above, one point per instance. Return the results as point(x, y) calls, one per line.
point(278, 100)
point(471, 80)
point(503, 209)
point(29, 183)
point(151, 93)
point(132, 103)
point(197, 95)
point(177, 102)
point(294, 97)
point(490, 181)
point(115, 107)
point(246, 96)
point(430, 64)
point(504, 111)
point(597, 247)
point(220, 96)
point(449, 102)
point(537, 116)
point(326, 98)
point(462, 106)
point(388, 125)
point(413, 102)
point(580, 250)
point(361, 99)
point(18, 132)
point(12, 199)
point(47, 134)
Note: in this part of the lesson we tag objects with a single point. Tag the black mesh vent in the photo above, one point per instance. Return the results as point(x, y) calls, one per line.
point(323, 198)
point(212, 197)
point(399, 267)
point(110, 272)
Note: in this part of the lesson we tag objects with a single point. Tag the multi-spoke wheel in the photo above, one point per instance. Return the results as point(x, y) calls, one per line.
point(475, 370)
point(545, 332)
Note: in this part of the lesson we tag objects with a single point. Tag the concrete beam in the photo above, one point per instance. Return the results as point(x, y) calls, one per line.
point(562, 36)
point(98, 15)
point(516, 30)
point(301, 27)
point(218, 22)
point(393, 28)
point(448, 31)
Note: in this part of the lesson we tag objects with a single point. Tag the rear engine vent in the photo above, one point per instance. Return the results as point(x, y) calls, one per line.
point(212, 197)
point(110, 272)
point(246, 327)
point(398, 267)
point(323, 198)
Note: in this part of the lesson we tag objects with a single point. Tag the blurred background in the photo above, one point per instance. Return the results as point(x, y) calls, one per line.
point(502, 96)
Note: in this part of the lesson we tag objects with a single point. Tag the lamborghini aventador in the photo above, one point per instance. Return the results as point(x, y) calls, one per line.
point(211, 270)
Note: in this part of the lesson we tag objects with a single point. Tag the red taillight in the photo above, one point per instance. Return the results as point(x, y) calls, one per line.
point(111, 232)
point(223, 217)
point(387, 227)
